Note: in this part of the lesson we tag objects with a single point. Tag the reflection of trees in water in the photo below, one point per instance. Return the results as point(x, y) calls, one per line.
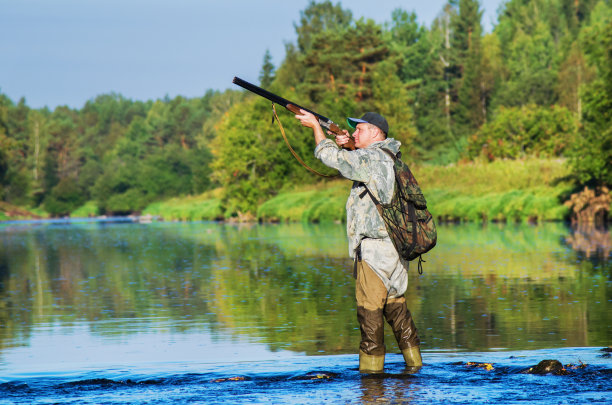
point(94, 273)
point(290, 286)
point(590, 240)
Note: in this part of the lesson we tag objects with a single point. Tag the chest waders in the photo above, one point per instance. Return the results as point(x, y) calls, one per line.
point(374, 306)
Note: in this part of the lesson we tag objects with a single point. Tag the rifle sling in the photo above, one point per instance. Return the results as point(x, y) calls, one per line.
point(295, 155)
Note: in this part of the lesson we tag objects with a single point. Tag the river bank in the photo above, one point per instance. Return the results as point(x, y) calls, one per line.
point(530, 190)
point(525, 190)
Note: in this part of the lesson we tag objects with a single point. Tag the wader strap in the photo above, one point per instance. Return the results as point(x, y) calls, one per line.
point(295, 155)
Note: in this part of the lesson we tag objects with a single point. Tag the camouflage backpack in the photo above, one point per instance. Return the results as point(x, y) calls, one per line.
point(410, 225)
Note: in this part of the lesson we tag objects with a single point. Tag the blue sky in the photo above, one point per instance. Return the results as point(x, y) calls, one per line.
point(65, 52)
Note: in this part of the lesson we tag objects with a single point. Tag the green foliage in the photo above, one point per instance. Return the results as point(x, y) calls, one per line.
point(437, 140)
point(470, 110)
point(251, 160)
point(409, 43)
point(503, 190)
point(527, 130)
point(533, 191)
point(132, 200)
point(499, 176)
point(65, 197)
point(591, 156)
point(120, 152)
point(196, 208)
point(89, 209)
point(266, 76)
point(306, 206)
point(318, 18)
point(517, 205)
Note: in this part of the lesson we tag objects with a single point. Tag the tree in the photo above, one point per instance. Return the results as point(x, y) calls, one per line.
point(470, 109)
point(266, 76)
point(437, 140)
point(530, 34)
point(318, 18)
point(592, 154)
point(248, 160)
point(573, 74)
point(410, 47)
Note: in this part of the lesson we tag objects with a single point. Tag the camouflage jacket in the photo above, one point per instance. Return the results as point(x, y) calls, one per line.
point(373, 167)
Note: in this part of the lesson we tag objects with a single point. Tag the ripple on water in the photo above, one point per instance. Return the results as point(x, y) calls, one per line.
point(446, 377)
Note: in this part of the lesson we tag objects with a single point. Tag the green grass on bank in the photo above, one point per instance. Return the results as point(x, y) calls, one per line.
point(203, 207)
point(87, 210)
point(499, 176)
point(504, 190)
point(324, 204)
point(12, 212)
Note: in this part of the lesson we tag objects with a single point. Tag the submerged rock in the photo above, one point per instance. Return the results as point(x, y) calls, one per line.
point(547, 367)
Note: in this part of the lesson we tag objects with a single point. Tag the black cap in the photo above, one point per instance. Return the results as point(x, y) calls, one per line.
point(370, 118)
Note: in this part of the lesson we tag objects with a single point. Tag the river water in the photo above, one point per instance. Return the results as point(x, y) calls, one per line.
point(109, 312)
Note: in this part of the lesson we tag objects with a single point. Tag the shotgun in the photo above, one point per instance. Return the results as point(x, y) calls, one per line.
point(293, 107)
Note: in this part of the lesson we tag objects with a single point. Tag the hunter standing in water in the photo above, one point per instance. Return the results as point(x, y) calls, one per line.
point(381, 275)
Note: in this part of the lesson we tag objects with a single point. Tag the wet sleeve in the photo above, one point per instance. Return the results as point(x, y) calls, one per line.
point(352, 165)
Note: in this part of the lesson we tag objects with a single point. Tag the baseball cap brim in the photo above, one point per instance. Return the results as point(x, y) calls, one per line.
point(352, 122)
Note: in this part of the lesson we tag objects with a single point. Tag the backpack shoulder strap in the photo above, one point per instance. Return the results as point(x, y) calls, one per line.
point(391, 154)
point(367, 190)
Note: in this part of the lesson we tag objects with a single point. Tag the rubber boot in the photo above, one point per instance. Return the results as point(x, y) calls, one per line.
point(412, 357)
point(369, 363)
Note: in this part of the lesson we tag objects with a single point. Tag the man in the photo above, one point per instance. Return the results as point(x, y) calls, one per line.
point(381, 276)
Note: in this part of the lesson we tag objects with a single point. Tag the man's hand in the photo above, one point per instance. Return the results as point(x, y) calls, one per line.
point(307, 119)
point(344, 140)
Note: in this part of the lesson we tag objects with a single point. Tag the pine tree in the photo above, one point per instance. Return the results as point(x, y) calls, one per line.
point(318, 18)
point(266, 75)
point(470, 109)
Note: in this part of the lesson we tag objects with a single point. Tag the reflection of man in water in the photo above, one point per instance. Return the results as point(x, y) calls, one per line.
point(381, 274)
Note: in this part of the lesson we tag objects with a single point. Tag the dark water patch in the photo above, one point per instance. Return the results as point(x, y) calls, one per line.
point(15, 387)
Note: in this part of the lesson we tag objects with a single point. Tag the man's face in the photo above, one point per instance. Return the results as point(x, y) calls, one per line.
point(364, 135)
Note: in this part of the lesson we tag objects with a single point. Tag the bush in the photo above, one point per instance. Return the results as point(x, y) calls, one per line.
point(126, 203)
point(64, 198)
point(89, 209)
point(522, 131)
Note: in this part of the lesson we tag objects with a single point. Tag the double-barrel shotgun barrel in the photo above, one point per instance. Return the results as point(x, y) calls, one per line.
point(291, 106)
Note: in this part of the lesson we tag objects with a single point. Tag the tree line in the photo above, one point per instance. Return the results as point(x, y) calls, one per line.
point(539, 84)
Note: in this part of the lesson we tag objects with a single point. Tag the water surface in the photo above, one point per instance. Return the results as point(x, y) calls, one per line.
point(208, 312)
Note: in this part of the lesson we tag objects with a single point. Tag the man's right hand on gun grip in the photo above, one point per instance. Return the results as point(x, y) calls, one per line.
point(344, 140)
